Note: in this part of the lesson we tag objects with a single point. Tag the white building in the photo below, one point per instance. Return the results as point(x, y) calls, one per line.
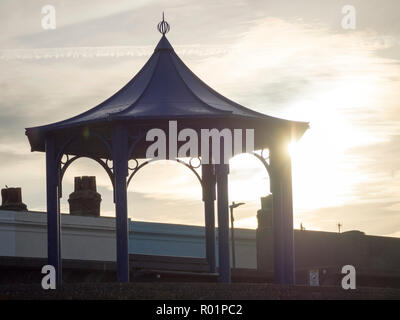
point(24, 234)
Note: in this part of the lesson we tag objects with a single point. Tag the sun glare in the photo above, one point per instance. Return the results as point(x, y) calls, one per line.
point(292, 148)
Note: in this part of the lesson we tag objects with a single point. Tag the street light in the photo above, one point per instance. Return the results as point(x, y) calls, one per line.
point(231, 207)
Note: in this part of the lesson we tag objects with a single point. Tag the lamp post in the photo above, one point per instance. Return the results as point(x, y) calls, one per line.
point(231, 207)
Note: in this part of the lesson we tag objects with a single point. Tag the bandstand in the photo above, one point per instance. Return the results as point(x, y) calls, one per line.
point(114, 133)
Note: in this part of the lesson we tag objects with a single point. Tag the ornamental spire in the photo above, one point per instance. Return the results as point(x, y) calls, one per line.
point(163, 26)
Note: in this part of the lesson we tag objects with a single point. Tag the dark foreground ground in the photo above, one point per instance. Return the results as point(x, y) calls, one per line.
point(192, 291)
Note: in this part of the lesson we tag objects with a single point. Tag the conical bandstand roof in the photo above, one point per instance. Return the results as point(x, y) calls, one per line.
point(166, 89)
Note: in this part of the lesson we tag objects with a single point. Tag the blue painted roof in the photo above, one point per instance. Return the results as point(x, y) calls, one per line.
point(165, 88)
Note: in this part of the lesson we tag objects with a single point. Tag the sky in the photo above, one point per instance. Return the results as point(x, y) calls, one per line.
point(289, 59)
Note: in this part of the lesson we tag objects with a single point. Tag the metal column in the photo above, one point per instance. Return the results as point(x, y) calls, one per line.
point(53, 209)
point(222, 171)
point(208, 179)
point(281, 183)
point(120, 164)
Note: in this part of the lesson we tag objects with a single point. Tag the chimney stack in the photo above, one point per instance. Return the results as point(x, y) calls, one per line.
point(85, 200)
point(264, 215)
point(12, 199)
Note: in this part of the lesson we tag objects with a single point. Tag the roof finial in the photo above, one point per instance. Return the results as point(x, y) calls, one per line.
point(163, 26)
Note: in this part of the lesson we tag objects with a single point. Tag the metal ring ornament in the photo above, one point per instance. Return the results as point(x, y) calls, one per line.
point(107, 164)
point(136, 164)
point(195, 167)
point(62, 157)
point(262, 154)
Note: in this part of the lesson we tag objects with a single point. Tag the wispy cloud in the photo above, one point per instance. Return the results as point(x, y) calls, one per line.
point(104, 52)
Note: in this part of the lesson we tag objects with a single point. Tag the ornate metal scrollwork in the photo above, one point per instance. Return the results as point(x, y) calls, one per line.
point(145, 163)
point(64, 162)
point(108, 165)
point(64, 166)
point(195, 167)
point(265, 161)
point(136, 165)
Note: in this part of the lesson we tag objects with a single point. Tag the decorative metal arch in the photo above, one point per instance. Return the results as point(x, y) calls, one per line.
point(134, 141)
point(263, 160)
point(61, 151)
point(64, 166)
point(138, 167)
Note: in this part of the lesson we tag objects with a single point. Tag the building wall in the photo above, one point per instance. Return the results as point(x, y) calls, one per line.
point(24, 234)
point(7, 234)
point(187, 241)
point(318, 249)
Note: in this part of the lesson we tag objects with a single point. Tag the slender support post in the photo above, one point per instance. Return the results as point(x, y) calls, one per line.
point(120, 164)
point(233, 238)
point(222, 171)
point(281, 181)
point(53, 209)
point(208, 179)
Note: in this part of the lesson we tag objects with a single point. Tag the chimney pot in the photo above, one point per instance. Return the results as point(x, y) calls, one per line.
point(11, 199)
point(85, 200)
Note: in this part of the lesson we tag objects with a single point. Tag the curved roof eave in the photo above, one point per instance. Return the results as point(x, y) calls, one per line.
point(163, 67)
